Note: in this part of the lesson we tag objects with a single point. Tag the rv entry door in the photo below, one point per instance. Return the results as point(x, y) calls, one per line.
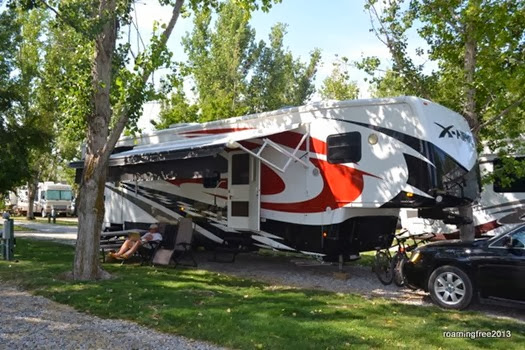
point(243, 191)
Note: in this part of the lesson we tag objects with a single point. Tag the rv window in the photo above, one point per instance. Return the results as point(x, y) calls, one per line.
point(344, 148)
point(516, 184)
point(240, 209)
point(42, 194)
point(240, 169)
point(211, 181)
point(56, 195)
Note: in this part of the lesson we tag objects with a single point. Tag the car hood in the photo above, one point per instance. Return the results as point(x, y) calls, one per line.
point(455, 243)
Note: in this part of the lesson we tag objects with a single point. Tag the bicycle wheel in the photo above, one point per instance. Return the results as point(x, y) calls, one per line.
point(398, 261)
point(383, 267)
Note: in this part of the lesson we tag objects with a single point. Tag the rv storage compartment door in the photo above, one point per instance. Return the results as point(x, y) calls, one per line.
point(243, 191)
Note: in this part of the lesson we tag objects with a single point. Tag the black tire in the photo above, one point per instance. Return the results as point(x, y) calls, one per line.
point(383, 267)
point(398, 262)
point(450, 287)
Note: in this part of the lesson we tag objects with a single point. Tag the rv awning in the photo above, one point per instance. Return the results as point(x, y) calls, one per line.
point(200, 146)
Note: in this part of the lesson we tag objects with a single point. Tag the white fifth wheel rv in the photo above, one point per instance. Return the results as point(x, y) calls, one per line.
point(499, 208)
point(326, 179)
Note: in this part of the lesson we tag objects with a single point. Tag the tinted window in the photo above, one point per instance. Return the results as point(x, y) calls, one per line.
point(55, 195)
point(240, 208)
point(344, 148)
point(241, 169)
point(516, 184)
point(518, 236)
point(518, 239)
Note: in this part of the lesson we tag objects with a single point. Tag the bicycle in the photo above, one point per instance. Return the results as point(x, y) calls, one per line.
point(401, 256)
point(382, 264)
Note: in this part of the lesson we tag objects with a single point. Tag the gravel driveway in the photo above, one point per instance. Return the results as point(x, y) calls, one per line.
point(33, 322)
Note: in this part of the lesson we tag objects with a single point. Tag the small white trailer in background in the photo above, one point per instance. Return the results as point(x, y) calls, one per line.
point(325, 179)
point(50, 198)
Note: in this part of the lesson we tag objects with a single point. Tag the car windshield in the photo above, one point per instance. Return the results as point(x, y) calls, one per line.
point(55, 195)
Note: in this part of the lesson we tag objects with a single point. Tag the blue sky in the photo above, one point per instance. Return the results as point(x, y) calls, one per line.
point(334, 26)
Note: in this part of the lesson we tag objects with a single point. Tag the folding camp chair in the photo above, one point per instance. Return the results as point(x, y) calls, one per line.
point(180, 250)
point(168, 232)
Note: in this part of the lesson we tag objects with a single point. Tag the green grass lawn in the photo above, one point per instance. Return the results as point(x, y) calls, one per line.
point(41, 220)
point(246, 314)
point(18, 228)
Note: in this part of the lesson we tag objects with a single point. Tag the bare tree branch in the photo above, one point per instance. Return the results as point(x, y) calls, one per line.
point(372, 21)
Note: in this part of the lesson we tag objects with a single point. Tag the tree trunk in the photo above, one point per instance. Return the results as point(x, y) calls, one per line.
point(91, 202)
point(86, 264)
point(469, 110)
point(90, 217)
point(32, 187)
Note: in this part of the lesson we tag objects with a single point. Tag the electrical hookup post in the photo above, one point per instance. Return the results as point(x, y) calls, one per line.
point(8, 238)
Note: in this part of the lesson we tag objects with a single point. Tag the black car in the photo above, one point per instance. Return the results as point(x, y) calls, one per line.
point(454, 271)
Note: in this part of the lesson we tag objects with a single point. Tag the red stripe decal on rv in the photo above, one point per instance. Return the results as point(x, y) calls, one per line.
point(249, 145)
point(341, 185)
point(271, 183)
point(486, 227)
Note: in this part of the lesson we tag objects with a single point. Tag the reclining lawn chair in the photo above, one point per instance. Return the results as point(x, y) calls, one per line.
point(181, 249)
point(168, 232)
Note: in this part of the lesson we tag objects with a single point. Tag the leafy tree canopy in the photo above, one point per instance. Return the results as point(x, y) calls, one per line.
point(338, 85)
point(231, 74)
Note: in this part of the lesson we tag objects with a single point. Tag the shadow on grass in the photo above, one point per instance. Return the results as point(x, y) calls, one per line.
point(243, 313)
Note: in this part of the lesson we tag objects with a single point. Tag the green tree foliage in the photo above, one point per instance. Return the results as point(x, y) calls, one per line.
point(478, 47)
point(389, 85)
point(24, 130)
point(219, 59)
point(233, 75)
point(279, 79)
point(111, 99)
point(12, 157)
point(338, 85)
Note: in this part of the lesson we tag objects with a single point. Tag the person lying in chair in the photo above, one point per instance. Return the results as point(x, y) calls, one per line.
point(134, 242)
